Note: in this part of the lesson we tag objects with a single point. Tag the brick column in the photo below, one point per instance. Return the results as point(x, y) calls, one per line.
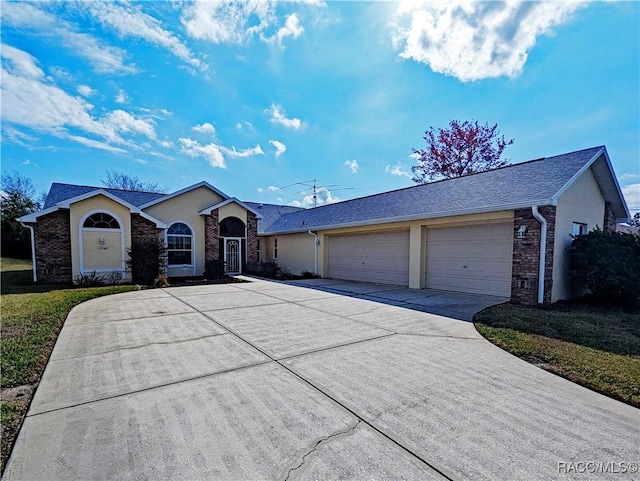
point(53, 248)
point(142, 228)
point(609, 223)
point(252, 237)
point(526, 255)
point(211, 236)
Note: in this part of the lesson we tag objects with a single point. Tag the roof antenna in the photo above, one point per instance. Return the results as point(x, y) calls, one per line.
point(312, 185)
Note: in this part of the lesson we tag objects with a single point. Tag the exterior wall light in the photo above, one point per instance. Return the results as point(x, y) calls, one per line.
point(521, 231)
point(101, 241)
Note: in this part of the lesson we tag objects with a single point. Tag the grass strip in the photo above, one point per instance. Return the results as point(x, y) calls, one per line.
point(596, 347)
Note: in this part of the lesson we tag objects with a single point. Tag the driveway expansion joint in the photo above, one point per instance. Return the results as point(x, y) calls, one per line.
point(325, 439)
point(130, 348)
point(150, 388)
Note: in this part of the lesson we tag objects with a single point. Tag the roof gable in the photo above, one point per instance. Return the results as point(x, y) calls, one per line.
point(232, 200)
point(177, 193)
point(62, 192)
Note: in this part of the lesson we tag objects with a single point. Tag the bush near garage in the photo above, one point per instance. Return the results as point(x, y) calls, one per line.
point(606, 266)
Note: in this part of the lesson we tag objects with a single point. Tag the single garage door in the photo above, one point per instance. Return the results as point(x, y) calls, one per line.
point(474, 259)
point(381, 257)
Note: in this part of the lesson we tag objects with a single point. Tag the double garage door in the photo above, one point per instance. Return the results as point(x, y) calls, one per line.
point(475, 259)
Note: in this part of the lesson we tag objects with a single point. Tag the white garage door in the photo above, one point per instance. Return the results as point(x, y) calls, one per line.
point(381, 257)
point(473, 259)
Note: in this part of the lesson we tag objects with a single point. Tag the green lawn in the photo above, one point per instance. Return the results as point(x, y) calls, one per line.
point(32, 316)
point(597, 347)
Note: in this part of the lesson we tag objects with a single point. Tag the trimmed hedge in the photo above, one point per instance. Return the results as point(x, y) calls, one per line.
point(606, 265)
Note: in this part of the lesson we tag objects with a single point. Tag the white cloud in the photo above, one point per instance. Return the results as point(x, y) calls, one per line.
point(245, 125)
point(353, 165)
point(260, 189)
point(30, 162)
point(21, 63)
point(323, 196)
point(121, 97)
point(86, 90)
point(96, 144)
point(238, 21)
point(205, 128)
point(272, 188)
point(214, 153)
point(291, 28)
point(278, 117)
point(121, 121)
point(397, 169)
point(220, 21)
point(104, 58)
point(631, 194)
point(129, 21)
point(31, 100)
point(211, 152)
point(232, 152)
point(279, 146)
point(630, 176)
point(474, 39)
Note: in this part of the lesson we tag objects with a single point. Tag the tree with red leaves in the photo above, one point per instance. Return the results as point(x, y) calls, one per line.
point(463, 148)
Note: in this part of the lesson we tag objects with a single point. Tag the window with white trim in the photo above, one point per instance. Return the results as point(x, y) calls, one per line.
point(579, 228)
point(275, 248)
point(179, 244)
point(258, 251)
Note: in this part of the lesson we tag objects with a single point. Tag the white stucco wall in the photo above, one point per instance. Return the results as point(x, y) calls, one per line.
point(582, 202)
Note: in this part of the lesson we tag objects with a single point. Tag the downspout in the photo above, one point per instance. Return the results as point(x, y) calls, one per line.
point(315, 251)
point(543, 251)
point(33, 251)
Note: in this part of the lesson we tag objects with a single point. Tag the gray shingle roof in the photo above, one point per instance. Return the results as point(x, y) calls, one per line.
point(61, 192)
point(270, 213)
point(523, 184)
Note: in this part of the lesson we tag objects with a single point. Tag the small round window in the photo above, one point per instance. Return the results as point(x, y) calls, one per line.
point(101, 220)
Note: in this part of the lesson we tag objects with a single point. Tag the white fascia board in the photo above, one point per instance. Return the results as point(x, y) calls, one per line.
point(33, 217)
point(571, 181)
point(208, 210)
point(617, 184)
point(407, 218)
point(182, 191)
point(159, 224)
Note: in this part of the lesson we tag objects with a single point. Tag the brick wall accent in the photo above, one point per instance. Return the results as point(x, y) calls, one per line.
point(609, 223)
point(142, 228)
point(211, 236)
point(526, 256)
point(252, 237)
point(53, 248)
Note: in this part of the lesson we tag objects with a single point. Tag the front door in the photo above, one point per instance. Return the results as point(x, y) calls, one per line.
point(232, 256)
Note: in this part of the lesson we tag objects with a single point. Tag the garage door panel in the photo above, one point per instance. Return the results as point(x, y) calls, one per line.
point(381, 257)
point(473, 259)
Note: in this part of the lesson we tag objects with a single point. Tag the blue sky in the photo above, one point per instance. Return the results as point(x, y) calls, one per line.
point(251, 96)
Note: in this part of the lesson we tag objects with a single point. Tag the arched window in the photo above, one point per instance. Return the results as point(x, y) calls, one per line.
point(101, 220)
point(179, 244)
point(232, 227)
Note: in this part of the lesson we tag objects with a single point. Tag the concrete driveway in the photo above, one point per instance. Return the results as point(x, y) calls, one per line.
point(268, 380)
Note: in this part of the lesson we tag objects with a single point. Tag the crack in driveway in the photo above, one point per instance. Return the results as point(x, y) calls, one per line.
point(324, 439)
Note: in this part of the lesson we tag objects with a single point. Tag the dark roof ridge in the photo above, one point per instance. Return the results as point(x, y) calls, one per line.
point(454, 178)
point(109, 188)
